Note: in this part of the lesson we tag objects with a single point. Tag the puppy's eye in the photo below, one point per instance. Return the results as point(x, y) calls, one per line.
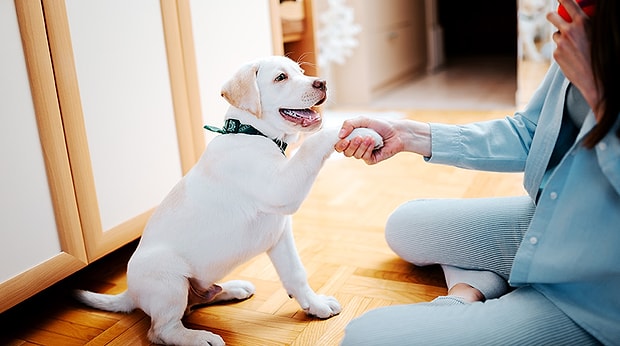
point(281, 77)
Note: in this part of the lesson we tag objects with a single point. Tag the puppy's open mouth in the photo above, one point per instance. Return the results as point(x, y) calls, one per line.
point(303, 117)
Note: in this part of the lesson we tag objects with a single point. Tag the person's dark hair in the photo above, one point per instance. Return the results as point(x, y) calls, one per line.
point(606, 66)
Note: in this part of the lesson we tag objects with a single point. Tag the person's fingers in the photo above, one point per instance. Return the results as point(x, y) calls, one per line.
point(366, 146)
point(341, 145)
point(369, 153)
point(352, 147)
point(345, 130)
point(556, 20)
point(571, 7)
point(350, 124)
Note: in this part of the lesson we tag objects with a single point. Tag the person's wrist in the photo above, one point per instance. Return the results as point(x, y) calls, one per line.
point(417, 138)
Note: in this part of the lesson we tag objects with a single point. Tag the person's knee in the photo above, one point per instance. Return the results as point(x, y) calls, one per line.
point(405, 231)
point(397, 325)
point(354, 334)
point(363, 329)
point(396, 228)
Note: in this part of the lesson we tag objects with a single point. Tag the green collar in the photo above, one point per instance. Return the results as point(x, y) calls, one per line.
point(235, 126)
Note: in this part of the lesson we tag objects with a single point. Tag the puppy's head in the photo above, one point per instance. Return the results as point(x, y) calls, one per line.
point(276, 91)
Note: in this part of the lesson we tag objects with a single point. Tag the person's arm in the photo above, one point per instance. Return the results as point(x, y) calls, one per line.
point(495, 145)
point(398, 136)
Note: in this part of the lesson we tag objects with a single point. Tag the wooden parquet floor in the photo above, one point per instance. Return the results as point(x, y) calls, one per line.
point(339, 233)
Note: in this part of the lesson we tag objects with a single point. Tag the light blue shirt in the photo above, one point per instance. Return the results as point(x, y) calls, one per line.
point(571, 251)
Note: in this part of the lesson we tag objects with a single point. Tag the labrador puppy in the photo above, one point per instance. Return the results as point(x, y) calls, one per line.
point(234, 204)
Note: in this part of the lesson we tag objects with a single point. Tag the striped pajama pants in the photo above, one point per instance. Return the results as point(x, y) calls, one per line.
point(475, 241)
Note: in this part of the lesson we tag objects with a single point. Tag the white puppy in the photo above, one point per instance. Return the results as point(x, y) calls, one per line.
point(233, 205)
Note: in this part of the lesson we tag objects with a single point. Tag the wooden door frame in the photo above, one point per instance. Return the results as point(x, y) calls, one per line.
point(47, 111)
point(186, 106)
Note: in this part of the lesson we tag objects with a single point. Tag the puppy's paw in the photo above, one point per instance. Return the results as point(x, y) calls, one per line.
point(323, 307)
point(366, 132)
point(184, 336)
point(209, 339)
point(237, 289)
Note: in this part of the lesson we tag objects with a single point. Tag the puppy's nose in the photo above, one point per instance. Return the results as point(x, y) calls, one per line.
point(320, 84)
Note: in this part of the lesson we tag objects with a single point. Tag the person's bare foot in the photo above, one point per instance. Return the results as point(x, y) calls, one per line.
point(467, 292)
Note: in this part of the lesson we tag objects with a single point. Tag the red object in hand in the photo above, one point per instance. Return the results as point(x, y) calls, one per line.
point(587, 6)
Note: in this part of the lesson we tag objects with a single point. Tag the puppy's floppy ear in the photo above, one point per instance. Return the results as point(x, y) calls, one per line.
point(241, 90)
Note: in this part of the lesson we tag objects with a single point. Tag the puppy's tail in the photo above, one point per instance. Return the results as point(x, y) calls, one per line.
point(109, 302)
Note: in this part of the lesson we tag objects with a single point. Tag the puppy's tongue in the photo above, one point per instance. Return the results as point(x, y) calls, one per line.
point(303, 117)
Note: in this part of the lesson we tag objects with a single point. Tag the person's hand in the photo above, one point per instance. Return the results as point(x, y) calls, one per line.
point(573, 50)
point(362, 148)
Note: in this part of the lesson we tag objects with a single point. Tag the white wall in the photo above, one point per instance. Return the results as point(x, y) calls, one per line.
point(226, 35)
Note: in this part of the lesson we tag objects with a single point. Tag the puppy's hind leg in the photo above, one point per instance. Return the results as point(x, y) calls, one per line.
point(161, 289)
point(235, 290)
point(230, 290)
point(166, 305)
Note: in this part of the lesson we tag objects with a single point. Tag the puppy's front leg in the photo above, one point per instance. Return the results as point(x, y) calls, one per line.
point(298, 173)
point(317, 148)
point(286, 260)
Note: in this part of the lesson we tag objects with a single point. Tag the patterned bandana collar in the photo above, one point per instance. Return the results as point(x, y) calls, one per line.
point(235, 126)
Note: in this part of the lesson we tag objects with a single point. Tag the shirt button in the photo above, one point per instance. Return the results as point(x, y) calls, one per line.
point(533, 240)
point(602, 145)
point(553, 195)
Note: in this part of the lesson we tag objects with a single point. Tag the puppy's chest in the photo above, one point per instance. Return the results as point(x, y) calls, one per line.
point(257, 233)
point(245, 170)
point(267, 226)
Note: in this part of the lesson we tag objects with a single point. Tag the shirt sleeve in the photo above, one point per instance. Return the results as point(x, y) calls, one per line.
point(500, 145)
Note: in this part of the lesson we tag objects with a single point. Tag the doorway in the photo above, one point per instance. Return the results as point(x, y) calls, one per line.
point(472, 58)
